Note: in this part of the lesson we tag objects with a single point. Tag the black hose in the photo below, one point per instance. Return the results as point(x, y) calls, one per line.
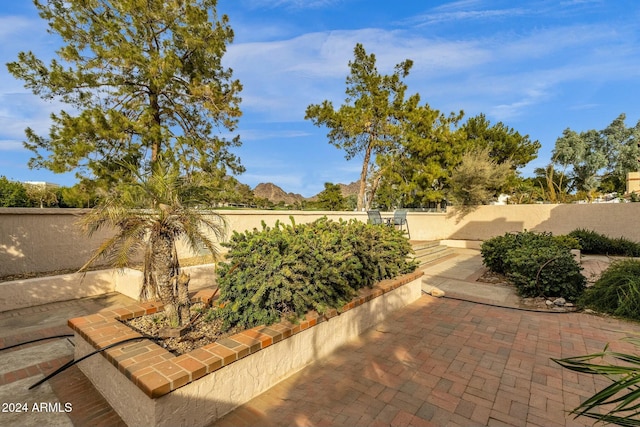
point(73, 362)
point(504, 306)
point(37, 340)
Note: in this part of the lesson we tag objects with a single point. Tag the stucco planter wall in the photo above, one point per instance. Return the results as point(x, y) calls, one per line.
point(16, 294)
point(148, 386)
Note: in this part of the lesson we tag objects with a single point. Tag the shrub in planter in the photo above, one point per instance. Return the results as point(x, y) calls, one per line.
point(617, 291)
point(495, 250)
point(288, 270)
point(596, 243)
point(538, 264)
point(545, 271)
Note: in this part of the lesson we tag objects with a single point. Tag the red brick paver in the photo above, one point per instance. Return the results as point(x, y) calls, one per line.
point(445, 362)
point(89, 407)
point(437, 362)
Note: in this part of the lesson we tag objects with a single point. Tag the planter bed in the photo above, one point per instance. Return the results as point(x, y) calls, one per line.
point(149, 386)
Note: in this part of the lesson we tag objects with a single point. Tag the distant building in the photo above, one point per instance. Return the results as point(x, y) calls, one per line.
point(633, 182)
point(42, 184)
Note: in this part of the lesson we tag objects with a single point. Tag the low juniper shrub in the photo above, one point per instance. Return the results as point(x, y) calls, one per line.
point(592, 242)
point(288, 270)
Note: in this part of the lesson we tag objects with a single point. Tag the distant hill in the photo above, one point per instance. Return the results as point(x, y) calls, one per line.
point(275, 194)
point(350, 189)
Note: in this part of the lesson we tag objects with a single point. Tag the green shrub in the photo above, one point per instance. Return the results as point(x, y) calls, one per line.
point(566, 241)
point(545, 271)
point(617, 291)
point(538, 264)
point(494, 251)
point(596, 243)
point(289, 270)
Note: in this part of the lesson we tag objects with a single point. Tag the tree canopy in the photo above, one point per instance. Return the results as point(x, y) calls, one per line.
point(141, 79)
point(595, 156)
point(12, 194)
point(331, 198)
point(369, 121)
point(504, 143)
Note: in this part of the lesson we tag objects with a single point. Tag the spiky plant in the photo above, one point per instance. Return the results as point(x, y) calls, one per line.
point(621, 397)
point(148, 217)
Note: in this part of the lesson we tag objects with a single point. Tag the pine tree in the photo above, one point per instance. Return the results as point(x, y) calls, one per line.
point(142, 78)
point(368, 123)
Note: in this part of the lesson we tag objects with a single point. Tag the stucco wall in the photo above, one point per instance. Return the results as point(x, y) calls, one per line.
point(42, 240)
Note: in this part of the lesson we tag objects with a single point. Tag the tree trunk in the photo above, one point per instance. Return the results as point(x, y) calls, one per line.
point(184, 305)
point(363, 176)
point(164, 269)
point(375, 182)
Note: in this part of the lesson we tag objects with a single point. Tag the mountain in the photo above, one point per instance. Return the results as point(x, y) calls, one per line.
point(275, 194)
point(350, 189)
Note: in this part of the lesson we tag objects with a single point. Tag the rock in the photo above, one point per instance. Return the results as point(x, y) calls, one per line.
point(559, 302)
point(549, 303)
point(569, 304)
point(433, 291)
point(438, 293)
point(589, 311)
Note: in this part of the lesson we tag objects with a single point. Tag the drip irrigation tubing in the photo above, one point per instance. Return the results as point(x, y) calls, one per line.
point(75, 361)
point(489, 304)
point(37, 340)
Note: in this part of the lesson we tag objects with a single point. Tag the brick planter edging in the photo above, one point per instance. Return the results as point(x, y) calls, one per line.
point(157, 372)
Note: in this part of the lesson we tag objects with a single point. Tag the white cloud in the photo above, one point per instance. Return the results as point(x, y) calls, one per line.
point(12, 25)
point(260, 134)
point(10, 145)
point(502, 73)
point(467, 15)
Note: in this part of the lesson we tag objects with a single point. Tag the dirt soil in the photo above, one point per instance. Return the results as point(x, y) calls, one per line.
point(200, 333)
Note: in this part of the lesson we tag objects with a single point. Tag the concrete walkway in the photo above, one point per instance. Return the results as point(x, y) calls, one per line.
point(438, 362)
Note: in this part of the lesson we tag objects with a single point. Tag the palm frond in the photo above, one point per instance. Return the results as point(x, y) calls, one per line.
point(620, 399)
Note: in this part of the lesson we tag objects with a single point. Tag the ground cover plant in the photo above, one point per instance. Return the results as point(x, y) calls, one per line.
point(617, 291)
point(596, 243)
point(538, 264)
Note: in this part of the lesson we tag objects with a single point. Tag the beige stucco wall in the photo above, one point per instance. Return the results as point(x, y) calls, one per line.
point(37, 240)
point(633, 182)
point(47, 240)
point(17, 294)
point(42, 240)
point(26, 293)
point(210, 397)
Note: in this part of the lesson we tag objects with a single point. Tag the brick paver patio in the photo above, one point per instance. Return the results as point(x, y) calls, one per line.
point(443, 362)
point(438, 362)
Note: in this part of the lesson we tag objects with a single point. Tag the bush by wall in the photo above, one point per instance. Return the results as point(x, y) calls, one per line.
point(617, 291)
point(289, 270)
point(596, 243)
point(538, 264)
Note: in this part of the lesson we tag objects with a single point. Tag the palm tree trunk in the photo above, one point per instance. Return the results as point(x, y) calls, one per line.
point(165, 270)
point(184, 305)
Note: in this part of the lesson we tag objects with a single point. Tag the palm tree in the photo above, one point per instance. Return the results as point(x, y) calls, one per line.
point(149, 216)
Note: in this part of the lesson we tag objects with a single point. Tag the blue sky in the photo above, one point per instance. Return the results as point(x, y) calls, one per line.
point(538, 66)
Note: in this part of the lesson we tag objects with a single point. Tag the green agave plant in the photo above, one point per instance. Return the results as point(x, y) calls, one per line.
point(622, 395)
